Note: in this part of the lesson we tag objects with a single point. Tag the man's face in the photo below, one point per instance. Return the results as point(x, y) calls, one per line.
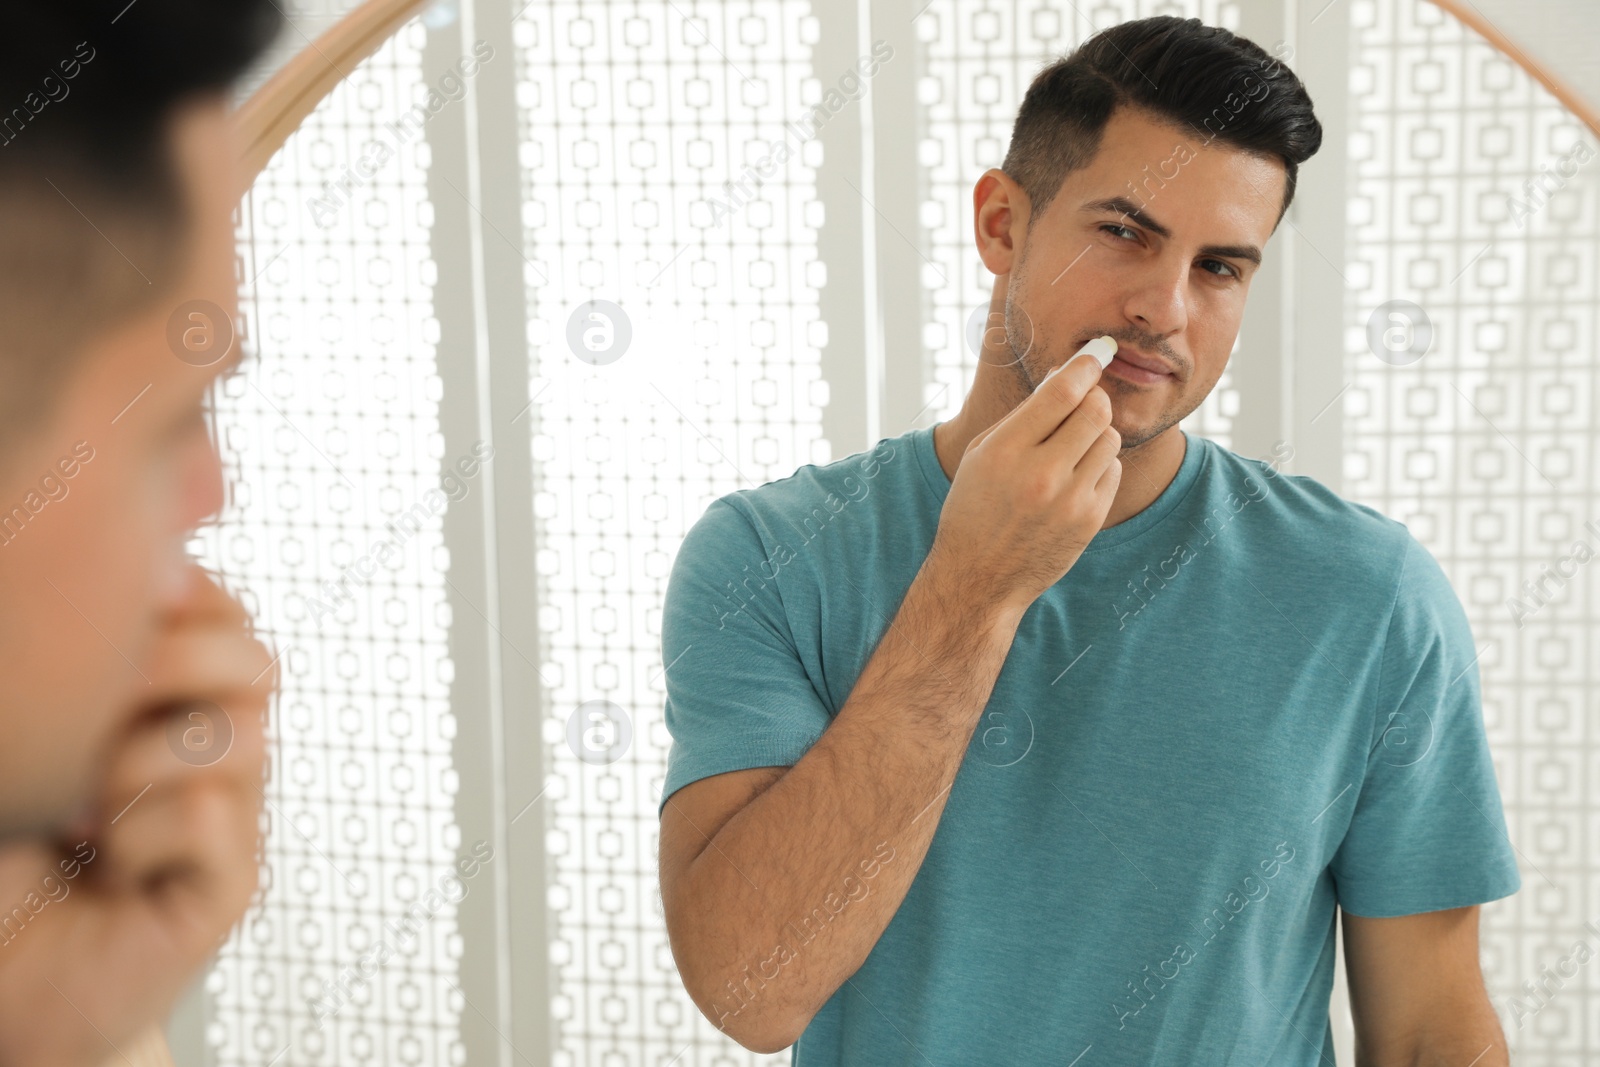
point(1094, 264)
point(93, 557)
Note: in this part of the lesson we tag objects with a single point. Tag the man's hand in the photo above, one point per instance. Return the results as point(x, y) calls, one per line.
point(1031, 491)
point(101, 932)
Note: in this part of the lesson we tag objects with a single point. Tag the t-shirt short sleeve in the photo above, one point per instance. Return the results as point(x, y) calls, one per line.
point(737, 691)
point(1428, 831)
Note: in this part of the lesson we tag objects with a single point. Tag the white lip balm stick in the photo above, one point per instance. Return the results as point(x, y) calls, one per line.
point(1102, 348)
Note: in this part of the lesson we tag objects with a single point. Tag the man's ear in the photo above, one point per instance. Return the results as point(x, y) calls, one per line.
point(1000, 213)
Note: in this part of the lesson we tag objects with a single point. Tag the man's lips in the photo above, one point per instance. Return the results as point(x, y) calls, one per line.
point(1135, 365)
point(1142, 361)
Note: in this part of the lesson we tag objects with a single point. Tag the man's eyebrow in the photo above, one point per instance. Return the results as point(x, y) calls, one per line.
point(1127, 208)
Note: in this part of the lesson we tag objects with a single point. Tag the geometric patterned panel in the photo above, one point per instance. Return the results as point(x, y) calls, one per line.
point(979, 58)
point(330, 435)
point(1473, 239)
point(670, 227)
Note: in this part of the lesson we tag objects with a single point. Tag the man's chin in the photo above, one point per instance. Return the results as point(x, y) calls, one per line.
point(1135, 435)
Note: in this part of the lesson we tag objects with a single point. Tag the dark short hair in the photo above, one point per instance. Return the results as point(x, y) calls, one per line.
point(1176, 69)
point(92, 211)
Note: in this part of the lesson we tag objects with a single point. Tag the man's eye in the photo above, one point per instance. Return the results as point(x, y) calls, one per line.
point(1226, 272)
point(1109, 227)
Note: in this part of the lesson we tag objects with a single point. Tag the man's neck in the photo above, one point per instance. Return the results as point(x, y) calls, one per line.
point(1147, 469)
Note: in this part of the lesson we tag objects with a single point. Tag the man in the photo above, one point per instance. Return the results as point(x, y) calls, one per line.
point(130, 781)
point(1052, 734)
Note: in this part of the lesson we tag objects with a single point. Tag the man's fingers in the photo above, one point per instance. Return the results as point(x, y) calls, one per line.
point(199, 837)
point(1100, 451)
point(176, 836)
point(182, 792)
point(1108, 482)
point(207, 658)
point(1056, 397)
point(193, 740)
point(1088, 426)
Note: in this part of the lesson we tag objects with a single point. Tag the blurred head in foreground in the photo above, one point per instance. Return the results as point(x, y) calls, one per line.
point(117, 291)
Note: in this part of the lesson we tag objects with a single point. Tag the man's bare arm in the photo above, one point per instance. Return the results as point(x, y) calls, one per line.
point(777, 883)
point(843, 831)
point(1416, 991)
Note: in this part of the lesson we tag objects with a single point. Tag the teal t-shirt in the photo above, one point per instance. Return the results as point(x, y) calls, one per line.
point(1250, 702)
